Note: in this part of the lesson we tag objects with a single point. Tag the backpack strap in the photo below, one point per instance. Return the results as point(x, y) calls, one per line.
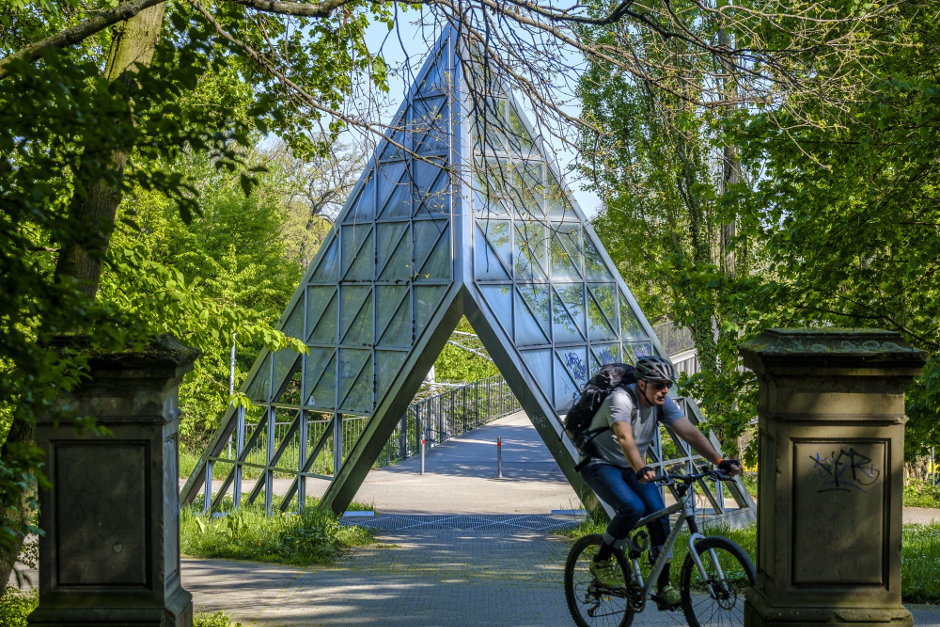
point(660, 409)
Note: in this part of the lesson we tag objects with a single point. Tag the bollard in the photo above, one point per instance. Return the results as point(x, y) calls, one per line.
point(499, 458)
point(422, 452)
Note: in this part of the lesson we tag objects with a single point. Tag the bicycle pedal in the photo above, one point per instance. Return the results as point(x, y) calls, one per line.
point(662, 605)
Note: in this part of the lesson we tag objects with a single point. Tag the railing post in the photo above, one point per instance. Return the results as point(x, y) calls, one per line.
point(239, 448)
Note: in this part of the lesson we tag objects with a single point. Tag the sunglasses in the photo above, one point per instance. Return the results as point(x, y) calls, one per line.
point(659, 385)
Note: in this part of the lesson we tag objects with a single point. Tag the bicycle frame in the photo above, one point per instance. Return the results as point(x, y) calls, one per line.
point(686, 504)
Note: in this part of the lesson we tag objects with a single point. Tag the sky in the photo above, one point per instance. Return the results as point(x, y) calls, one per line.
point(408, 42)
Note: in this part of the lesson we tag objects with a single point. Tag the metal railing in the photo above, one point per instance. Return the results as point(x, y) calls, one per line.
point(674, 339)
point(449, 414)
point(445, 415)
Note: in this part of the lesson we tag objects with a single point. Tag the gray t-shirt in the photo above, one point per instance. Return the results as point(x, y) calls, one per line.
point(619, 406)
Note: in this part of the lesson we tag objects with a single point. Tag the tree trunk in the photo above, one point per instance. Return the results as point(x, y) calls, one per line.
point(134, 42)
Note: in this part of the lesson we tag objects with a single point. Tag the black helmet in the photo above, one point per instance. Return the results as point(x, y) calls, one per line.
point(654, 368)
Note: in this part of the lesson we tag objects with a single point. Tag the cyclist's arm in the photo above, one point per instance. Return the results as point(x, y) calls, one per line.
point(631, 451)
point(687, 431)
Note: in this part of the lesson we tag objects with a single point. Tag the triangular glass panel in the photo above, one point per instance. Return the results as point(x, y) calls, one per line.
point(539, 363)
point(566, 252)
point(432, 184)
point(437, 267)
point(533, 304)
point(392, 237)
point(594, 266)
point(395, 191)
point(630, 327)
point(568, 313)
point(328, 269)
point(363, 210)
point(285, 358)
point(359, 399)
point(352, 362)
point(486, 203)
point(531, 256)
point(602, 354)
point(427, 235)
point(430, 124)
point(387, 366)
point(559, 207)
point(427, 299)
point(389, 298)
point(260, 387)
point(602, 309)
point(391, 151)
point(286, 363)
point(499, 298)
point(316, 364)
point(356, 315)
point(397, 330)
point(325, 330)
point(520, 140)
point(634, 350)
point(318, 297)
point(529, 197)
point(575, 360)
point(323, 395)
point(492, 249)
point(566, 390)
point(358, 253)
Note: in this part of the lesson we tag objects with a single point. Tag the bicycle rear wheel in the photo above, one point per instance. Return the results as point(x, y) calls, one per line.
point(718, 597)
point(590, 604)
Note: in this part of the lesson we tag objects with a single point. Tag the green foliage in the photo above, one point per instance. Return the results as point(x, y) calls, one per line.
point(218, 619)
point(835, 206)
point(226, 272)
point(919, 493)
point(15, 606)
point(312, 537)
point(457, 365)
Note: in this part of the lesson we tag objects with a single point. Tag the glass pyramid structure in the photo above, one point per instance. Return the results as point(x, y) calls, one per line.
point(459, 212)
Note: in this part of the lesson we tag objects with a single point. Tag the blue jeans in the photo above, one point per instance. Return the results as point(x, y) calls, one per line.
point(631, 500)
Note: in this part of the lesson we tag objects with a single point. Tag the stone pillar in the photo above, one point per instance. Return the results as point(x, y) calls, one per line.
point(110, 553)
point(831, 460)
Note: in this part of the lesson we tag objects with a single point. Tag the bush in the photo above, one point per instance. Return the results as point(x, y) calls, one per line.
point(313, 537)
point(919, 493)
point(219, 619)
point(15, 606)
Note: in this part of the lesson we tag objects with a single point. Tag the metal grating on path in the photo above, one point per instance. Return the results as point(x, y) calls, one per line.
point(464, 522)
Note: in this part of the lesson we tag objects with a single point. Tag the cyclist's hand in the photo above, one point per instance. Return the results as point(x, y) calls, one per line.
point(730, 466)
point(645, 473)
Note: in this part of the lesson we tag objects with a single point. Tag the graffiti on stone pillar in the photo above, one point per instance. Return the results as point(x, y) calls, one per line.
point(844, 471)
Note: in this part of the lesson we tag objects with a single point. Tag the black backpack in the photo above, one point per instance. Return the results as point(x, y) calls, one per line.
point(593, 395)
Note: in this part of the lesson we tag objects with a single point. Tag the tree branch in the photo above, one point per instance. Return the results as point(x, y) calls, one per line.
point(78, 33)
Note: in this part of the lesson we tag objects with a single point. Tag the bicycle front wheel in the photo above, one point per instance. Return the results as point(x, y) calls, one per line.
point(716, 597)
point(590, 603)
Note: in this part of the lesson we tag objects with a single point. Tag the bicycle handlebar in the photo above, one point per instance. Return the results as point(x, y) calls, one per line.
point(716, 474)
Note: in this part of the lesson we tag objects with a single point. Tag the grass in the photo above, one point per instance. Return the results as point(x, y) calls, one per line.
point(301, 539)
point(15, 606)
point(920, 555)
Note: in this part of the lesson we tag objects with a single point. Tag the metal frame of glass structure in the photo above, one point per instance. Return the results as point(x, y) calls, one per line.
point(459, 212)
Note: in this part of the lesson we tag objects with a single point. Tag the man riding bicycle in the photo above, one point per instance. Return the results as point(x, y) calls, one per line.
point(619, 475)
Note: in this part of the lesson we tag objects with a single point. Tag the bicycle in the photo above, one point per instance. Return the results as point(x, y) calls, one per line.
point(714, 575)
